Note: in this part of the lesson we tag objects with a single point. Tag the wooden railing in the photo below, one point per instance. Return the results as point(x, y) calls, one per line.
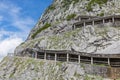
point(74, 56)
point(97, 21)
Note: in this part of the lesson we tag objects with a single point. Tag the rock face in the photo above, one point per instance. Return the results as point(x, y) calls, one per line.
point(16, 68)
point(53, 30)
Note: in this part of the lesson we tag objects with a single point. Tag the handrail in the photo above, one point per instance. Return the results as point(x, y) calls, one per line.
point(97, 19)
point(85, 60)
point(101, 62)
point(80, 56)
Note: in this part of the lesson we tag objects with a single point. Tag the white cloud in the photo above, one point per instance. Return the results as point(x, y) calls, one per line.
point(12, 16)
point(8, 46)
point(15, 16)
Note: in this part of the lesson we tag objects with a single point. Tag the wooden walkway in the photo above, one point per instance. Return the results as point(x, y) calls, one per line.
point(84, 21)
point(112, 60)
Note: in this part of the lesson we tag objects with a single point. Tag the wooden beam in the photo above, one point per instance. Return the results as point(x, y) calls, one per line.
point(55, 57)
point(79, 18)
point(109, 61)
point(103, 21)
point(79, 58)
point(36, 55)
point(84, 24)
point(67, 57)
point(93, 23)
point(45, 56)
point(92, 60)
point(113, 19)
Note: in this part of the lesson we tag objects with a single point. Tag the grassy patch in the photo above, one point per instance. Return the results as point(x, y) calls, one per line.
point(66, 3)
point(101, 14)
point(71, 16)
point(76, 1)
point(47, 25)
point(11, 75)
point(92, 2)
point(50, 8)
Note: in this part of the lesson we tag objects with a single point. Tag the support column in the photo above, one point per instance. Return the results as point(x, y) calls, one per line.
point(93, 23)
point(109, 61)
point(113, 19)
point(79, 58)
point(36, 55)
point(84, 24)
point(55, 57)
point(67, 57)
point(103, 21)
point(79, 18)
point(92, 60)
point(45, 56)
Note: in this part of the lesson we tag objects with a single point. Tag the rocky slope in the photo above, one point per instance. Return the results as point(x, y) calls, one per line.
point(53, 30)
point(16, 68)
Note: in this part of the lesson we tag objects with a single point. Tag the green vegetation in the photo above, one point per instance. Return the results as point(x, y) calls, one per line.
point(101, 14)
point(59, 64)
point(11, 75)
point(51, 7)
point(71, 16)
point(76, 1)
point(89, 8)
point(47, 25)
point(92, 2)
point(66, 3)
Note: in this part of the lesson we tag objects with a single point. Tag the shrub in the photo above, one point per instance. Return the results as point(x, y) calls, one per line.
point(75, 1)
point(71, 16)
point(92, 2)
point(47, 25)
point(66, 3)
point(101, 14)
point(89, 8)
point(51, 7)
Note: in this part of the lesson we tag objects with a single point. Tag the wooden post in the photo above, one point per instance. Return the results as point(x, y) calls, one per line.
point(92, 60)
point(79, 18)
point(113, 19)
point(45, 56)
point(109, 61)
point(79, 58)
point(103, 21)
point(84, 24)
point(36, 55)
point(67, 57)
point(93, 23)
point(55, 57)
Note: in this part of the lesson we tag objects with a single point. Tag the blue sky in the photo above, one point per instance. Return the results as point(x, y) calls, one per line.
point(17, 18)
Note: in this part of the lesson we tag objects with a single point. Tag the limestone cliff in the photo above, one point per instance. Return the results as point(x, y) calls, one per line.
point(16, 68)
point(53, 30)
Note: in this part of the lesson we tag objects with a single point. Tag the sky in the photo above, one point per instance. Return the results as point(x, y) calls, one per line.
point(17, 18)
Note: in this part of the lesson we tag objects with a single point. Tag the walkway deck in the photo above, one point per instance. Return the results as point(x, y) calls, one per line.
point(115, 19)
point(112, 60)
